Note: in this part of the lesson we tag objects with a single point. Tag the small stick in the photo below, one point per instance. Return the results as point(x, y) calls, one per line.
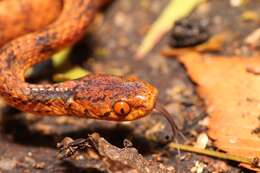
point(221, 155)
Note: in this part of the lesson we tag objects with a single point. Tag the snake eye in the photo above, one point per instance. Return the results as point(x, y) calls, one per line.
point(121, 108)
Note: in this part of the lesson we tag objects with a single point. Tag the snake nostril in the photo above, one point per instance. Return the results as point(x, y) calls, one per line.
point(106, 114)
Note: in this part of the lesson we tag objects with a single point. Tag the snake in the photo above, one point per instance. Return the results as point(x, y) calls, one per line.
point(96, 96)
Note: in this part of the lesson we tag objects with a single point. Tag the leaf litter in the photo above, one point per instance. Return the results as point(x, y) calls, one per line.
point(108, 157)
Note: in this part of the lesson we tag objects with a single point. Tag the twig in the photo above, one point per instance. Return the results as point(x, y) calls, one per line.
point(221, 155)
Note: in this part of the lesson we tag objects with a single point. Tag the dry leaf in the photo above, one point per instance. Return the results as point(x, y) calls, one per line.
point(253, 39)
point(232, 95)
point(214, 44)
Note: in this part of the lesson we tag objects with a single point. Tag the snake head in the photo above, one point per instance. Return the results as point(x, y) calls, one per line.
point(137, 99)
point(115, 98)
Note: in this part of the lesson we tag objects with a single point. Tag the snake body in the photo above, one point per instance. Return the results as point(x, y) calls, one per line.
point(98, 96)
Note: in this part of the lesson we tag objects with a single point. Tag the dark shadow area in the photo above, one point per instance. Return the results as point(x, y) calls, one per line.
point(18, 128)
point(77, 56)
point(83, 49)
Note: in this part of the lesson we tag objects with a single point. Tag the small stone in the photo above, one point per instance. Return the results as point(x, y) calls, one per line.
point(202, 141)
point(7, 164)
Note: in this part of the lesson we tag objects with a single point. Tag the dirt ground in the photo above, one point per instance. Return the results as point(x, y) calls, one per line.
point(28, 142)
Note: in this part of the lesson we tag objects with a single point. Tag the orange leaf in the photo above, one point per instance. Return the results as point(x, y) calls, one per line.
point(231, 90)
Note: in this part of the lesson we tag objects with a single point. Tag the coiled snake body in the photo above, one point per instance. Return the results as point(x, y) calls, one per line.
point(94, 96)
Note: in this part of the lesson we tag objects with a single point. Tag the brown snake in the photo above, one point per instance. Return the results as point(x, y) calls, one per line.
point(97, 96)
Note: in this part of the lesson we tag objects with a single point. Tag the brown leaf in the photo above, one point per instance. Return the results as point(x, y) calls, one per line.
point(232, 95)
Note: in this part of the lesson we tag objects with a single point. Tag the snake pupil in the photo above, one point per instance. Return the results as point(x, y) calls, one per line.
point(121, 108)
